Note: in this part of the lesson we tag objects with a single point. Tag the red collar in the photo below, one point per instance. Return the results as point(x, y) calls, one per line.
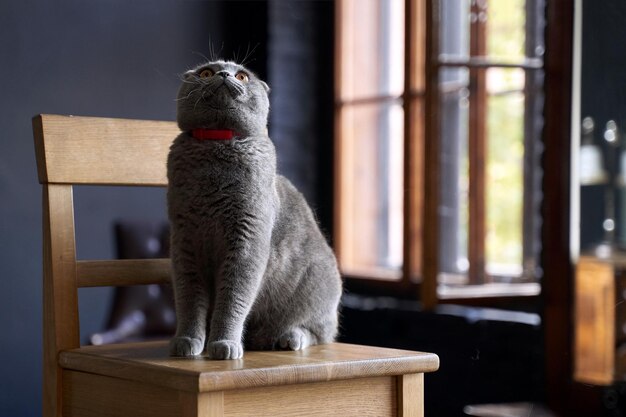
point(212, 134)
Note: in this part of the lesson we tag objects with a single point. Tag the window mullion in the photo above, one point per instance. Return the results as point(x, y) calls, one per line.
point(431, 167)
point(477, 148)
point(533, 105)
point(413, 139)
point(408, 254)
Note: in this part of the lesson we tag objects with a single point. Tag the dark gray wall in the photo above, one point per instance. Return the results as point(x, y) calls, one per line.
point(300, 73)
point(104, 58)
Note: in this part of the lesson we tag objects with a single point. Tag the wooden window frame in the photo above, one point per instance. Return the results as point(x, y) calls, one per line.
point(414, 91)
point(555, 301)
point(421, 101)
point(477, 64)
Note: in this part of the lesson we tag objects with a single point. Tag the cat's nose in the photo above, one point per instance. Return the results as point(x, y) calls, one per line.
point(223, 74)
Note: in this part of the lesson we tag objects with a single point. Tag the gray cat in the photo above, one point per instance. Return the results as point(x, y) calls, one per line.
point(250, 265)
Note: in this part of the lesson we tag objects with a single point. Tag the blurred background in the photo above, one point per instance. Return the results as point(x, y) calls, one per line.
point(343, 86)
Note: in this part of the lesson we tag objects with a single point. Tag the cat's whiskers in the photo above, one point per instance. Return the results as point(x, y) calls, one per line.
point(194, 78)
point(233, 85)
point(200, 54)
point(198, 100)
point(188, 95)
point(249, 53)
point(212, 53)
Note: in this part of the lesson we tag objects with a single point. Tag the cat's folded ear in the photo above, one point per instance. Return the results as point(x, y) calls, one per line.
point(187, 75)
point(265, 86)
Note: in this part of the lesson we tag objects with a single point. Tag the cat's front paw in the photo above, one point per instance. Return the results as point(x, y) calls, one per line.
point(295, 339)
point(186, 346)
point(225, 349)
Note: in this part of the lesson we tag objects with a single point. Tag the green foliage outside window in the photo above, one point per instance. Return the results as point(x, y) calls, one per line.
point(505, 132)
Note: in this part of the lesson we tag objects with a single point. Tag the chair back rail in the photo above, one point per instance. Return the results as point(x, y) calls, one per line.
point(88, 151)
point(101, 151)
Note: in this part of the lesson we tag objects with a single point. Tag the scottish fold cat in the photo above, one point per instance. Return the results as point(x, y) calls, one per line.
point(250, 265)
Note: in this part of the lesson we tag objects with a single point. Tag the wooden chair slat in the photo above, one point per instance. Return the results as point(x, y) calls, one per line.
point(118, 273)
point(101, 151)
point(60, 295)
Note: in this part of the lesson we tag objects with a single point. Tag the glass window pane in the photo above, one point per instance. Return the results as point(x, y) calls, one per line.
point(454, 208)
point(502, 26)
point(372, 48)
point(454, 28)
point(506, 33)
point(504, 118)
point(371, 201)
point(505, 175)
point(504, 80)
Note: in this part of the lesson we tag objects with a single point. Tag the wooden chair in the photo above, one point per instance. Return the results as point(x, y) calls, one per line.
point(140, 379)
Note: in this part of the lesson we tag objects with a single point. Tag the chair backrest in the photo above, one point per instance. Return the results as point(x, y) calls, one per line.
point(98, 151)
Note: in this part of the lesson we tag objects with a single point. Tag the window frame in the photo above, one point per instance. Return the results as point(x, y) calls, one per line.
point(420, 102)
point(562, 46)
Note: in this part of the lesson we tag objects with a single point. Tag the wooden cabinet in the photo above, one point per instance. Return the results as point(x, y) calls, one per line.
point(600, 320)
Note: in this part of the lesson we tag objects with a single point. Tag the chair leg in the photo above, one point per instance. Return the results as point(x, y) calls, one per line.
point(411, 395)
point(202, 404)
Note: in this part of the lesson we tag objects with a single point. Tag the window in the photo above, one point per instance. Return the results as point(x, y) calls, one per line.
point(370, 136)
point(438, 108)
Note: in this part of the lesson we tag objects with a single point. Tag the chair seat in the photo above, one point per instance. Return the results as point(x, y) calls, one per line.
point(142, 379)
point(149, 362)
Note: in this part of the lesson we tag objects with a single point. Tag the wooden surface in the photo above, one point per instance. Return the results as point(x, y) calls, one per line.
point(364, 397)
point(206, 404)
point(478, 151)
point(60, 298)
point(410, 393)
point(413, 155)
point(89, 395)
point(122, 272)
point(327, 380)
point(100, 396)
point(432, 152)
point(91, 150)
point(149, 362)
point(594, 335)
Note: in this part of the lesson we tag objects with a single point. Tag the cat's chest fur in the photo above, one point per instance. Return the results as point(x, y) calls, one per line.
point(221, 188)
point(242, 167)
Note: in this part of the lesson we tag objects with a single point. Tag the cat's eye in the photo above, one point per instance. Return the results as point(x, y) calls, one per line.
point(242, 76)
point(206, 73)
